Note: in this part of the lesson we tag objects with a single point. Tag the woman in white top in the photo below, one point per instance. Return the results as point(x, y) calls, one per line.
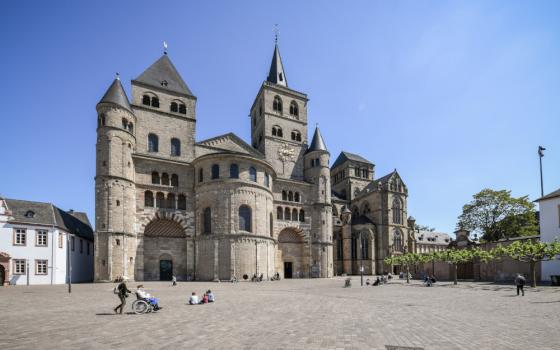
point(193, 300)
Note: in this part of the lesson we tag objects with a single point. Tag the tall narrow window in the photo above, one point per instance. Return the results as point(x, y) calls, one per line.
point(155, 102)
point(291, 196)
point(284, 196)
point(294, 111)
point(153, 143)
point(200, 175)
point(174, 180)
point(146, 100)
point(365, 248)
point(287, 214)
point(20, 236)
point(174, 107)
point(296, 197)
point(160, 200)
point(277, 104)
point(397, 241)
point(148, 199)
point(253, 174)
point(353, 248)
point(182, 109)
point(279, 132)
point(274, 131)
point(397, 211)
point(234, 171)
point(155, 178)
point(175, 147)
point(165, 179)
point(279, 213)
point(182, 202)
point(207, 221)
point(301, 215)
point(271, 223)
point(215, 171)
point(131, 128)
point(245, 218)
point(266, 180)
point(170, 201)
point(294, 214)
point(124, 123)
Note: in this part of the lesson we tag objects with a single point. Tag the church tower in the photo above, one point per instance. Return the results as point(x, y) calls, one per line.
point(279, 122)
point(115, 200)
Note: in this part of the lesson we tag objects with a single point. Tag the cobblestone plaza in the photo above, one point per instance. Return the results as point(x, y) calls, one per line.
point(289, 314)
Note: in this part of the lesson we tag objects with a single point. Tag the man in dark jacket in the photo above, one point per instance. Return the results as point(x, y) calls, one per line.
point(520, 282)
point(123, 294)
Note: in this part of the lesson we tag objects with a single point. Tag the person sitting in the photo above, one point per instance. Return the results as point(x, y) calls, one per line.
point(261, 277)
point(211, 298)
point(401, 275)
point(143, 295)
point(377, 281)
point(204, 299)
point(193, 300)
point(367, 282)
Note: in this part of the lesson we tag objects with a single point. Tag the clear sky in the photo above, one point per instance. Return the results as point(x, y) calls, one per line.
point(456, 95)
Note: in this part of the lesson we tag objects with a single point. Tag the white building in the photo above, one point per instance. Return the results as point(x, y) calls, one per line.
point(549, 208)
point(429, 241)
point(34, 242)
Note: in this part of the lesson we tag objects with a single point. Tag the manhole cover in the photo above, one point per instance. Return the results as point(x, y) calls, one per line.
point(395, 347)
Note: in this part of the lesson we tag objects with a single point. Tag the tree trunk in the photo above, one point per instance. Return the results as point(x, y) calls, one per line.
point(407, 270)
point(533, 274)
point(455, 274)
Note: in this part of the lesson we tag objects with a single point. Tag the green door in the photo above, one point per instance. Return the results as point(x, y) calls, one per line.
point(165, 270)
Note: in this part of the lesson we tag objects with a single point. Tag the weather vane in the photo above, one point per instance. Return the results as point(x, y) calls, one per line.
point(164, 47)
point(276, 32)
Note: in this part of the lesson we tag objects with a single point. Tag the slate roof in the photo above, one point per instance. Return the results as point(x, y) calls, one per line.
point(317, 143)
point(550, 195)
point(214, 143)
point(115, 94)
point(428, 237)
point(161, 71)
point(345, 156)
point(277, 75)
point(49, 215)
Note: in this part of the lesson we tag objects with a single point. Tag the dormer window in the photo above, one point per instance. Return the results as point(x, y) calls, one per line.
point(30, 214)
point(164, 83)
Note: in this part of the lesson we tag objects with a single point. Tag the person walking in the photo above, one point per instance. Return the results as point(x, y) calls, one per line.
point(123, 294)
point(173, 281)
point(520, 282)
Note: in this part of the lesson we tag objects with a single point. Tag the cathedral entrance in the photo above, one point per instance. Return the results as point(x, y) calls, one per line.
point(292, 258)
point(287, 269)
point(165, 270)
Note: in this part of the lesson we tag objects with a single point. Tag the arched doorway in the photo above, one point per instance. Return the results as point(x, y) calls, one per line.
point(291, 249)
point(2, 275)
point(165, 251)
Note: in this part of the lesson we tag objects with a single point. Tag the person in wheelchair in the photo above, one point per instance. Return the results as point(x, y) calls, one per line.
point(143, 295)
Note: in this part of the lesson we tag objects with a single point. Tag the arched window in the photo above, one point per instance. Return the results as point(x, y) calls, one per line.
point(200, 175)
point(397, 241)
point(287, 214)
point(279, 132)
point(271, 223)
point(155, 102)
point(160, 200)
point(294, 214)
point(170, 201)
point(175, 147)
point(301, 215)
point(294, 109)
point(182, 108)
point(291, 196)
point(253, 174)
point(266, 180)
point(312, 163)
point(207, 221)
point(234, 171)
point(277, 104)
point(153, 143)
point(148, 199)
point(296, 136)
point(146, 100)
point(125, 123)
point(245, 218)
point(101, 120)
point(279, 213)
point(174, 107)
point(165, 179)
point(174, 180)
point(296, 197)
point(215, 171)
point(182, 202)
point(365, 247)
point(397, 212)
point(284, 196)
point(131, 127)
point(274, 131)
point(366, 209)
point(155, 178)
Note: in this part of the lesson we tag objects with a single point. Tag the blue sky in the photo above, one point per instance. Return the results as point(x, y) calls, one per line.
point(456, 95)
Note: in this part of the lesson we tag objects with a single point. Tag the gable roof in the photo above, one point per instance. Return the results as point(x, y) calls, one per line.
point(550, 195)
point(162, 71)
point(49, 215)
point(345, 156)
point(116, 95)
point(230, 143)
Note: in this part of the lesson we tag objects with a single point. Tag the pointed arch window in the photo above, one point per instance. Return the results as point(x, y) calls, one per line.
point(287, 214)
point(365, 247)
point(215, 171)
point(155, 178)
point(153, 143)
point(234, 171)
point(245, 218)
point(397, 241)
point(148, 199)
point(175, 147)
point(279, 213)
point(277, 104)
point(253, 174)
point(165, 179)
point(301, 215)
point(397, 212)
point(294, 110)
point(174, 180)
point(207, 221)
point(182, 202)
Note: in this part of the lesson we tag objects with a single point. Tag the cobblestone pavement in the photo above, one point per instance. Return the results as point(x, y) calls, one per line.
point(289, 314)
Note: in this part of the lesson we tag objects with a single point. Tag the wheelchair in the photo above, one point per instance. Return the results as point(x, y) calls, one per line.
point(143, 306)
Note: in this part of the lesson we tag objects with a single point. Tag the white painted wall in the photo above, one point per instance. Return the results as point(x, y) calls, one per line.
point(550, 230)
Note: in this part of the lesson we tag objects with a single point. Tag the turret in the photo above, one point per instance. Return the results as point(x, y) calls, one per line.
point(317, 170)
point(114, 185)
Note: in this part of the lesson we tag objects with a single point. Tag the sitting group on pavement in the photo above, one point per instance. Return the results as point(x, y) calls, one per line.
point(208, 297)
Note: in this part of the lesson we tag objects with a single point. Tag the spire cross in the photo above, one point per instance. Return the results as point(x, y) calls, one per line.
point(276, 32)
point(118, 76)
point(164, 47)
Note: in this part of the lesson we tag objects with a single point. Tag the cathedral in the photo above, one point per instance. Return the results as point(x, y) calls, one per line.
point(168, 205)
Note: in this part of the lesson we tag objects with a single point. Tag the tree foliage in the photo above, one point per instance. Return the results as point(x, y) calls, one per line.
point(497, 215)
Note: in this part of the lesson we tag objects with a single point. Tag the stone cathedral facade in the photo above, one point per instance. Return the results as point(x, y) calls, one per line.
point(167, 204)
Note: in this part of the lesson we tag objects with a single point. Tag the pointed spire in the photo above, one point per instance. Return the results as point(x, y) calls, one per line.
point(317, 144)
point(116, 95)
point(162, 74)
point(276, 74)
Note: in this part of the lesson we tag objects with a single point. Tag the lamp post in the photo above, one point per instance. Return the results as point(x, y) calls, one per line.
point(541, 155)
point(361, 260)
point(68, 264)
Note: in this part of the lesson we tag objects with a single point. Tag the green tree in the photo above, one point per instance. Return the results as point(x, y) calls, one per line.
point(407, 260)
point(531, 252)
point(496, 215)
point(424, 228)
point(455, 257)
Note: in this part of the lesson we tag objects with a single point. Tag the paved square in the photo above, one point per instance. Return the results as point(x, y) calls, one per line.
point(289, 314)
